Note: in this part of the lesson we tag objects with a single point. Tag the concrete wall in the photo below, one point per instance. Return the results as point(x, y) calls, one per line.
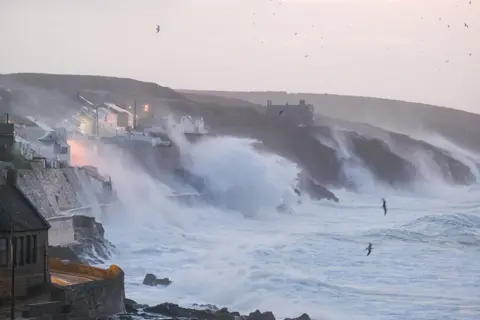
point(68, 229)
point(98, 298)
point(61, 232)
point(57, 190)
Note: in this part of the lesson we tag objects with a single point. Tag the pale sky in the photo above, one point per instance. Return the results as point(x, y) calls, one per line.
point(392, 49)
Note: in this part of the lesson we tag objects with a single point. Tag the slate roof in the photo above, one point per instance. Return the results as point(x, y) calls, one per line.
point(15, 205)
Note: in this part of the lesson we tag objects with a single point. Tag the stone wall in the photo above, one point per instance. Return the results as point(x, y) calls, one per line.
point(94, 299)
point(54, 191)
point(83, 235)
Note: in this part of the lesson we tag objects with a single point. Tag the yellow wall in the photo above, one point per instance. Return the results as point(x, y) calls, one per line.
point(76, 268)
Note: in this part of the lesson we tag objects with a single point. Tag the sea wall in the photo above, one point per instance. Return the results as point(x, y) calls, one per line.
point(83, 235)
point(54, 191)
point(102, 297)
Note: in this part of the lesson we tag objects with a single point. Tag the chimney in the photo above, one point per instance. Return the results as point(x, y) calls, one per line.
point(12, 177)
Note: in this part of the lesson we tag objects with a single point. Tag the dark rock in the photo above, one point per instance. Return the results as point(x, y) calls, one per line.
point(131, 306)
point(224, 314)
point(212, 313)
point(314, 189)
point(257, 315)
point(302, 317)
point(210, 307)
point(175, 311)
point(93, 250)
point(151, 280)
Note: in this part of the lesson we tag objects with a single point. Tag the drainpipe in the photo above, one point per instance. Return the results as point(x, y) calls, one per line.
point(12, 258)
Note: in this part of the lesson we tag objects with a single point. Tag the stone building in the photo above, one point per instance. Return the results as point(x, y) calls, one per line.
point(30, 243)
point(300, 115)
point(6, 137)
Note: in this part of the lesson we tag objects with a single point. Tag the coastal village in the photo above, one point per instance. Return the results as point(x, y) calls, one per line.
point(44, 208)
point(34, 282)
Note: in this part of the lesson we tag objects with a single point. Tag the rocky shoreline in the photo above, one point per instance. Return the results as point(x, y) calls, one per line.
point(168, 310)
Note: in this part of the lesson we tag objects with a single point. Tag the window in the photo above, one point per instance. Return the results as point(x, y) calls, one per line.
point(4, 252)
point(15, 253)
point(28, 250)
point(34, 249)
point(21, 245)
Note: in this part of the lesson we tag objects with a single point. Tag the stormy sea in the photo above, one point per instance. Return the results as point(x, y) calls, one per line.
point(309, 259)
point(258, 242)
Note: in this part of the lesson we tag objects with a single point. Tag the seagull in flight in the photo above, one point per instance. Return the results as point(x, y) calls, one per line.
point(369, 249)
point(158, 28)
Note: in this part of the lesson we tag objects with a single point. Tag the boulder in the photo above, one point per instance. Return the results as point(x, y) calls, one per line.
point(257, 315)
point(151, 280)
point(175, 311)
point(302, 317)
point(131, 306)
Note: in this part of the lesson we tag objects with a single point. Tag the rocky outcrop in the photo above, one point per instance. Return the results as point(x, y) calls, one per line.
point(171, 310)
point(152, 280)
point(315, 190)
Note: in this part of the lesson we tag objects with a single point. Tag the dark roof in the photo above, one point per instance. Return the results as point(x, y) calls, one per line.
point(14, 204)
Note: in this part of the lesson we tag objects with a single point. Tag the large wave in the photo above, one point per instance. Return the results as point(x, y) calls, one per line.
point(398, 163)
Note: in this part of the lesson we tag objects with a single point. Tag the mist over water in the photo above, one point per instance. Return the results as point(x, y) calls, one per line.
point(246, 255)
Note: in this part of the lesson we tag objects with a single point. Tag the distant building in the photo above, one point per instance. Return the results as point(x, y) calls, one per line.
point(300, 114)
point(116, 116)
point(30, 242)
point(7, 137)
point(57, 141)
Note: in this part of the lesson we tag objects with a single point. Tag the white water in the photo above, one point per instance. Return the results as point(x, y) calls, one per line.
point(425, 262)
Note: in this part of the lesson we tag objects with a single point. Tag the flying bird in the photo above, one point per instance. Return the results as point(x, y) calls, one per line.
point(384, 206)
point(369, 249)
point(158, 28)
point(466, 25)
point(280, 113)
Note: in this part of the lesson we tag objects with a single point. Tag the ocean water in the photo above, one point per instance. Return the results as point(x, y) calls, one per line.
point(425, 262)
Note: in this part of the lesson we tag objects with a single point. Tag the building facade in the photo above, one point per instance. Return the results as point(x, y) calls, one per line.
point(30, 243)
point(7, 137)
point(300, 114)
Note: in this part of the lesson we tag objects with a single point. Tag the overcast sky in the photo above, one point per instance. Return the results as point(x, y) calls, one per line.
point(393, 49)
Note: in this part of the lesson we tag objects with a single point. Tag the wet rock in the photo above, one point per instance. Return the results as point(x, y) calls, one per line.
point(131, 306)
point(93, 250)
point(201, 312)
point(210, 307)
point(302, 317)
point(257, 315)
point(224, 314)
point(314, 189)
point(151, 280)
point(175, 311)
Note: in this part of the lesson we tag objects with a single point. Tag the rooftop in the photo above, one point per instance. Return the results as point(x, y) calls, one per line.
point(14, 205)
